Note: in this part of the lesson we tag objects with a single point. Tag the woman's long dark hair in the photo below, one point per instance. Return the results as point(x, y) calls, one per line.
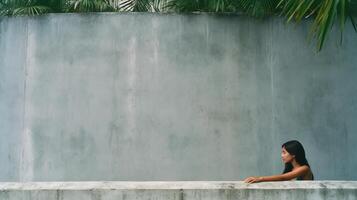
point(295, 148)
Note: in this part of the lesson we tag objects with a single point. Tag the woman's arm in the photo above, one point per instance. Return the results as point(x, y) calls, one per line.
point(281, 177)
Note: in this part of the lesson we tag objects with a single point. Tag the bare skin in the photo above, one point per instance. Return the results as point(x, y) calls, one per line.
point(297, 171)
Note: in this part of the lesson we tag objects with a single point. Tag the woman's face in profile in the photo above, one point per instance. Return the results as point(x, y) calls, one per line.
point(285, 156)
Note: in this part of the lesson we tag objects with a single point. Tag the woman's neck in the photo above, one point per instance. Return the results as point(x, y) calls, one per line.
point(295, 164)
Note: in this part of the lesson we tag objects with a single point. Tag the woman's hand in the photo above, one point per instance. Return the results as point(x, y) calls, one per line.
point(253, 179)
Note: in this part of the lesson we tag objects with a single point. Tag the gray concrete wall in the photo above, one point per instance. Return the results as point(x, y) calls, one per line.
point(302, 190)
point(137, 96)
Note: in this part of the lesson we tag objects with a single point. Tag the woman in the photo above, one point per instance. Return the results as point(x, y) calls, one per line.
point(296, 165)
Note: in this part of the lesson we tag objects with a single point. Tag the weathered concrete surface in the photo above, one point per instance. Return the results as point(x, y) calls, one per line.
point(200, 190)
point(13, 45)
point(138, 96)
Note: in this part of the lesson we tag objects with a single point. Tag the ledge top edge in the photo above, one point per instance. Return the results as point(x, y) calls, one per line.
point(175, 185)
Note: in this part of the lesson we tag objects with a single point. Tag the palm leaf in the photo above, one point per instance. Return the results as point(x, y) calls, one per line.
point(204, 5)
point(88, 6)
point(142, 5)
point(31, 10)
point(325, 13)
point(22, 7)
point(259, 8)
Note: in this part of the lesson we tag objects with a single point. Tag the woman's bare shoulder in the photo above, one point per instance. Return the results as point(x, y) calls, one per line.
point(302, 168)
point(308, 173)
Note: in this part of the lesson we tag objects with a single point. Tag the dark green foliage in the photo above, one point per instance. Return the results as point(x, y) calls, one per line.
point(87, 6)
point(24, 7)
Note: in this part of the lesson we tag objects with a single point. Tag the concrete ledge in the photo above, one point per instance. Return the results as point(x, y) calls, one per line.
point(190, 190)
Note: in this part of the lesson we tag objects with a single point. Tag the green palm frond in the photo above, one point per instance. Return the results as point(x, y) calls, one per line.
point(31, 10)
point(298, 9)
point(160, 5)
point(134, 5)
point(22, 7)
point(143, 5)
point(204, 5)
point(88, 6)
point(325, 13)
point(259, 8)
